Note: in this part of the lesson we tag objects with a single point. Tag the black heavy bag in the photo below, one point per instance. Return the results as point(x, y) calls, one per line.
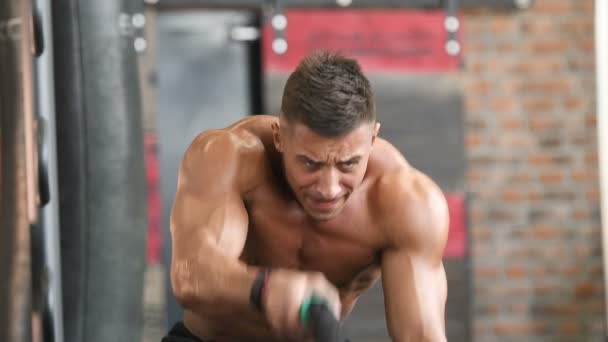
point(101, 170)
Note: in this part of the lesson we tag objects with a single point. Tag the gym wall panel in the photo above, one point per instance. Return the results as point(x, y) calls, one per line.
point(204, 80)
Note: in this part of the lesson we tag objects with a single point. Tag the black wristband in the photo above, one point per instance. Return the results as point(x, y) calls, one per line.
point(255, 297)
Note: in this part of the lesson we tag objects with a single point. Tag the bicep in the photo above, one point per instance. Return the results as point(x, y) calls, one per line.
point(415, 291)
point(209, 220)
point(208, 210)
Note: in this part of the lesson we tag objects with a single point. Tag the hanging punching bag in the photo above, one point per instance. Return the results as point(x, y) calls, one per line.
point(100, 169)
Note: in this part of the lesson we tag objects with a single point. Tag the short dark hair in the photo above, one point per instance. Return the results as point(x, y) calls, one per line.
point(329, 94)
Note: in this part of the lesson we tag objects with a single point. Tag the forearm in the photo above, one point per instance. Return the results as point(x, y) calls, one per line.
point(415, 293)
point(419, 336)
point(213, 283)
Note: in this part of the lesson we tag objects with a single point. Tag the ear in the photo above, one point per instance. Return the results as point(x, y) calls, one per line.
point(276, 136)
point(375, 133)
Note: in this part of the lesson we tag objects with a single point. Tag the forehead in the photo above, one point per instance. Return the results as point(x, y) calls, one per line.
point(308, 141)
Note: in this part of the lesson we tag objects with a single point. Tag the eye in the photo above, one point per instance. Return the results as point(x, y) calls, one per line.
point(349, 164)
point(310, 164)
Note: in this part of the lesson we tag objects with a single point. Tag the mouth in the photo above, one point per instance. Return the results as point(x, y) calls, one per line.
point(324, 205)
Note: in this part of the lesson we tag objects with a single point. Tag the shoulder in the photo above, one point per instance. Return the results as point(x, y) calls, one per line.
point(412, 210)
point(234, 154)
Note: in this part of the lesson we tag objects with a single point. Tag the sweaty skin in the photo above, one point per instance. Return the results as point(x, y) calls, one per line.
point(236, 210)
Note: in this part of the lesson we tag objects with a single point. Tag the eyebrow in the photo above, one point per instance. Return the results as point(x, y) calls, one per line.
point(351, 159)
point(347, 160)
point(303, 156)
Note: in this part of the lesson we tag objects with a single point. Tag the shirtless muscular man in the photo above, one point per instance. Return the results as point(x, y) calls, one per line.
point(272, 210)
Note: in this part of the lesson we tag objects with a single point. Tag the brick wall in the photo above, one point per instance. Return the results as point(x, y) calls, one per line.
point(529, 87)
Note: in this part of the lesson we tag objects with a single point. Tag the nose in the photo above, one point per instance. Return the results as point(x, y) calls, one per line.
point(329, 187)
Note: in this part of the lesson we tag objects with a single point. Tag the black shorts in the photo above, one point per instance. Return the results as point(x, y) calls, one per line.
point(179, 333)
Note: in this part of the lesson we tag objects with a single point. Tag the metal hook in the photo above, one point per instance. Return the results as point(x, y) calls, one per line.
point(452, 25)
point(279, 24)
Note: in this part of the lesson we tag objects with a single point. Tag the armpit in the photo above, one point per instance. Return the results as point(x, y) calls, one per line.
point(361, 281)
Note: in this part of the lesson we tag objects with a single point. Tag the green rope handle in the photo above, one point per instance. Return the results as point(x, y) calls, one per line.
point(304, 309)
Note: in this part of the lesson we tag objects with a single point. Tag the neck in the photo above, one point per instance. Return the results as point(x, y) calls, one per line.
point(278, 170)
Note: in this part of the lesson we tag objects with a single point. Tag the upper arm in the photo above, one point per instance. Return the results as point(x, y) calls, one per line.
point(208, 210)
point(412, 270)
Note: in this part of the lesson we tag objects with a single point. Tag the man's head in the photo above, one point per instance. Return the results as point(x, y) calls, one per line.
point(326, 131)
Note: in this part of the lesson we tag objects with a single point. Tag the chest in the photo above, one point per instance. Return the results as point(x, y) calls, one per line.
point(280, 234)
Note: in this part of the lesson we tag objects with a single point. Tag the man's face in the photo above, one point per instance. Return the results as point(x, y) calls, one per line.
point(323, 172)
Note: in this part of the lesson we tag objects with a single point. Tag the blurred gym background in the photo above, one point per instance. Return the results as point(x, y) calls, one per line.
point(500, 101)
